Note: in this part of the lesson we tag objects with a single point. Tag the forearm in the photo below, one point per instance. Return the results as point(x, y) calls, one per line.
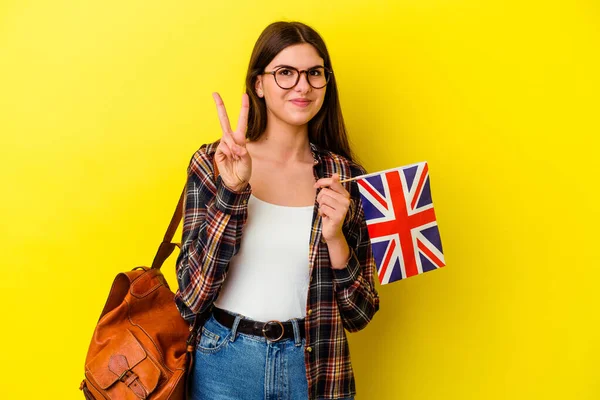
point(354, 270)
point(339, 252)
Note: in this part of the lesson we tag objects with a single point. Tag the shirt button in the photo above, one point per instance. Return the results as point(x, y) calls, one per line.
point(309, 312)
point(309, 349)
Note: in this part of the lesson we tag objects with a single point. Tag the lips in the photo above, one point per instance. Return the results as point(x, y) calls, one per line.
point(301, 102)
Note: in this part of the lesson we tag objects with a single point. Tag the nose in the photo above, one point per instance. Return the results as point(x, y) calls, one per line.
point(303, 85)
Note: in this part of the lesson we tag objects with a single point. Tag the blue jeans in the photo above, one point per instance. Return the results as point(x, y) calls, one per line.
point(235, 366)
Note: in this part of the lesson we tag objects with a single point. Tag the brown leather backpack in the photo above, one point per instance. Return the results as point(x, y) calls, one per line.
point(142, 348)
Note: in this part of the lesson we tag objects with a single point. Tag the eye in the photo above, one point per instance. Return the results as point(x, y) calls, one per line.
point(285, 72)
point(316, 72)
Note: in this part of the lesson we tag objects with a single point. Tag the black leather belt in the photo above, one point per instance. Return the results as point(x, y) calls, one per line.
point(271, 330)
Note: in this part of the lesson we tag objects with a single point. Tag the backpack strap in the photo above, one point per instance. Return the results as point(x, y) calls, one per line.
point(166, 247)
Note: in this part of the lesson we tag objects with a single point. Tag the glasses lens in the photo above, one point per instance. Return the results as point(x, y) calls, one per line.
point(318, 77)
point(286, 78)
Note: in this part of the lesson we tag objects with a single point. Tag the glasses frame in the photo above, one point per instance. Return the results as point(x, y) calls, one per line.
point(300, 72)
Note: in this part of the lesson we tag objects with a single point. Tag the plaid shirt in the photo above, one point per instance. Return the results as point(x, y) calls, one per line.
point(337, 299)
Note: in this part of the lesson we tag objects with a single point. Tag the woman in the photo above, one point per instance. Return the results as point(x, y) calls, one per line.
point(275, 250)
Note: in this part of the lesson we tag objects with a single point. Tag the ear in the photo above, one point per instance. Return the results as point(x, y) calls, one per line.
point(258, 86)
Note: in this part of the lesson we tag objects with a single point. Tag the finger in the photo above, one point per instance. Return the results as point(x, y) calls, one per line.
point(337, 186)
point(241, 151)
point(327, 211)
point(337, 197)
point(322, 182)
point(223, 118)
point(343, 199)
point(227, 139)
point(334, 216)
point(340, 209)
point(231, 145)
point(327, 181)
point(224, 148)
point(228, 149)
point(220, 156)
point(237, 150)
point(332, 182)
point(338, 212)
point(242, 126)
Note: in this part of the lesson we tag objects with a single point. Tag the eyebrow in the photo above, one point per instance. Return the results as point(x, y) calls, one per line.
point(289, 66)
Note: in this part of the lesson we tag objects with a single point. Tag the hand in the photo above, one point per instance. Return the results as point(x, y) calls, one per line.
point(334, 201)
point(232, 157)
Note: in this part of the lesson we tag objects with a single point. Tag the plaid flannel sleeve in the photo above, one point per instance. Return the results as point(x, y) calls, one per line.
point(213, 219)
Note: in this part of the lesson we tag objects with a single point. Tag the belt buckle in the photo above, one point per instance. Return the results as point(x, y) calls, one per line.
point(264, 331)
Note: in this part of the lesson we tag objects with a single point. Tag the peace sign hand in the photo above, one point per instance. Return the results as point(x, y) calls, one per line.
point(232, 157)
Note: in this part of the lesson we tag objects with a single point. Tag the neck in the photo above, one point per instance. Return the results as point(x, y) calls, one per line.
point(284, 143)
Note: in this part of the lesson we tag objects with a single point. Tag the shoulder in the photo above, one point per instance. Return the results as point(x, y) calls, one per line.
point(201, 163)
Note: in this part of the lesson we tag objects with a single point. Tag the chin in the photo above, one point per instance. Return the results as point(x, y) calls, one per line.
point(299, 120)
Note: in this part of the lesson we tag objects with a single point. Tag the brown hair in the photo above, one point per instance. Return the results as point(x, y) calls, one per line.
point(326, 129)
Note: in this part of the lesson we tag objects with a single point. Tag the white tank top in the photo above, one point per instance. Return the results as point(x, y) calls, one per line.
point(268, 278)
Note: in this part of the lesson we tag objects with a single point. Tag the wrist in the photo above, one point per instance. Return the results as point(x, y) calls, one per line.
point(337, 240)
point(240, 187)
point(339, 252)
point(230, 201)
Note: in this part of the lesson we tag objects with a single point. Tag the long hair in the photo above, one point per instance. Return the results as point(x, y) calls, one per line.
point(326, 129)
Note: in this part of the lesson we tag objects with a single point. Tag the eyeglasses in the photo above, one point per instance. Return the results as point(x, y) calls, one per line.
point(287, 77)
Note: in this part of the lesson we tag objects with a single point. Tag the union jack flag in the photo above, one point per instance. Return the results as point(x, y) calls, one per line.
point(401, 222)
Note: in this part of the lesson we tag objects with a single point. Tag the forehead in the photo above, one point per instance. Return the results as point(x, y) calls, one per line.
point(301, 56)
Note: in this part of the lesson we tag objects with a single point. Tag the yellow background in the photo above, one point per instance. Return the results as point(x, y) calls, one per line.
point(103, 103)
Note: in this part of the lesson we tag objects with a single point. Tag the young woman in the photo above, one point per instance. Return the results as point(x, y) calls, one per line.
point(275, 250)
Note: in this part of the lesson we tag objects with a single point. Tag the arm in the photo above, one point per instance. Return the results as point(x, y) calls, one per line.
point(354, 285)
point(213, 219)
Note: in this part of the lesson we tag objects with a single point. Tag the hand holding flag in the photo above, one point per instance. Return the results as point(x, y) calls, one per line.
point(334, 201)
